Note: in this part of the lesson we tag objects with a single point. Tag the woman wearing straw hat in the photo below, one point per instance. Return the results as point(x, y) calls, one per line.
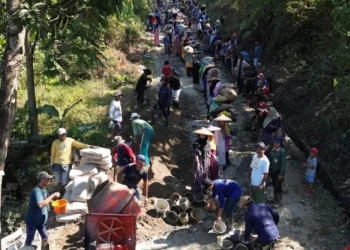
point(189, 60)
point(214, 163)
point(222, 138)
point(201, 158)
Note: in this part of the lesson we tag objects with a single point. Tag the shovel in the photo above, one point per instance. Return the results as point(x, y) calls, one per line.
point(149, 90)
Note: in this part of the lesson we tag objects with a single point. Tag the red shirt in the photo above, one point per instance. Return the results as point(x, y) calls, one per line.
point(166, 70)
point(266, 91)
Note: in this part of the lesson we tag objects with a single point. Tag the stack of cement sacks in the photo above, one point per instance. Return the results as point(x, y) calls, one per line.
point(84, 179)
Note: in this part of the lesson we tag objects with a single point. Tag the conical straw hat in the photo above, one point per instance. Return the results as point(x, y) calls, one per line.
point(212, 128)
point(222, 118)
point(203, 131)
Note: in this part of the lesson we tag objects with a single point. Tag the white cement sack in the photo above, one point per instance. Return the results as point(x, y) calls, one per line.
point(101, 177)
point(102, 161)
point(64, 218)
point(95, 153)
point(77, 207)
point(12, 239)
point(86, 169)
point(106, 166)
point(80, 189)
point(67, 195)
point(97, 180)
point(69, 186)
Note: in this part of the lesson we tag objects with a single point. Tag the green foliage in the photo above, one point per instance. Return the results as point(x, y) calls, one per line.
point(120, 80)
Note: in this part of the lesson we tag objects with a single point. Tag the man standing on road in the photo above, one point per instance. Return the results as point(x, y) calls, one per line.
point(61, 157)
point(229, 193)
point(115, 112)
point(278, 169)
point(263, 220)
point(122, 154)
point(240, 66)
point(133, 174)
point(38, 210)
point(164, 102)
point(258, 172)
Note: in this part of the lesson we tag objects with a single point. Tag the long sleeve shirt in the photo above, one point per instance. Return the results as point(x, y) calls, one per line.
point(61, 151)
point(115, 111)
point(278, 161)
point(164, 96)
point(226, 189)
point(138, 126)
point(123, 155)
point(263, 220)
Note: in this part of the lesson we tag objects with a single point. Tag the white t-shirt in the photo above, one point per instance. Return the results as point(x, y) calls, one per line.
point(115, 111)
point(199, 26)
point(260, 166)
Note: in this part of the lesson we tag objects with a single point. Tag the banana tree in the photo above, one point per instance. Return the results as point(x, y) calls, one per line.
point(52, 111)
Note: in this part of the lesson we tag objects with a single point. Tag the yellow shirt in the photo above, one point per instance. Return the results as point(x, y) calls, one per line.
point(61, 151)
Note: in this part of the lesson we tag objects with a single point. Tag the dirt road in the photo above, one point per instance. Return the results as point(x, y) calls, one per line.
point(305, 223)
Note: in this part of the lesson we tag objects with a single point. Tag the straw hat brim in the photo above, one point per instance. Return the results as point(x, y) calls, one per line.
point(189, 49)
point(222, 118)
point(213, 79)
point(213, 128)
point(219, 98)
point(203, 131)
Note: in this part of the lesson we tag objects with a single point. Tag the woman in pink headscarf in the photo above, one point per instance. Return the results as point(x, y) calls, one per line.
point(156, 36)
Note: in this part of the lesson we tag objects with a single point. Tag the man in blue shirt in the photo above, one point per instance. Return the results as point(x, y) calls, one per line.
point(38, 210)
point(228, 192)
point(164, 102)
point(245, 55)
point(263, 220)
point(257, 54)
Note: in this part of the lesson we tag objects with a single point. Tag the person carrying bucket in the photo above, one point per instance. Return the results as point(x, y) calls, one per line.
point(38, 210)
point(263, 220)
point(143, 128)
point(228, 190)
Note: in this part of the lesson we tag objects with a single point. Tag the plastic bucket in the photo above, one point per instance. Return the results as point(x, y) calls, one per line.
point(226, 244)
point(219, 227)
point(184, 203)
point(189, 196)
point(174, 198)
point(175, 209)
point(199, 198)
point(171, 217)
point(241, 246)
point(183, 217)
point(198, 214)
point(60, 206)
point(161, 206)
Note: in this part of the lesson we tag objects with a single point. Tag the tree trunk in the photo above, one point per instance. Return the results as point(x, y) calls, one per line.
point(33, 114)
point(8, 90)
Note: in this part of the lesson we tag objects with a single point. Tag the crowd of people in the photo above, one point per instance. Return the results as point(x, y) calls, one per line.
point(190, 35)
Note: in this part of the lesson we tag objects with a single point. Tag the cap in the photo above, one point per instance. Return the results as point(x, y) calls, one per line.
point(61, 131)
point(118, 93)
point(44, 175)
point(134, 115)
point(245, 200)
point(261, 145)
point(314, 150)
point(141, 158)
point(119, 140)
point(277, 140)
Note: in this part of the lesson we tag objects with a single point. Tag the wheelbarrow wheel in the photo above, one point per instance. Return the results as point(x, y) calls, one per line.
point(110, 230)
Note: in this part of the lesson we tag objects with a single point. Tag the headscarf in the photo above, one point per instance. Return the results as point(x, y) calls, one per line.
point(268, 118)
